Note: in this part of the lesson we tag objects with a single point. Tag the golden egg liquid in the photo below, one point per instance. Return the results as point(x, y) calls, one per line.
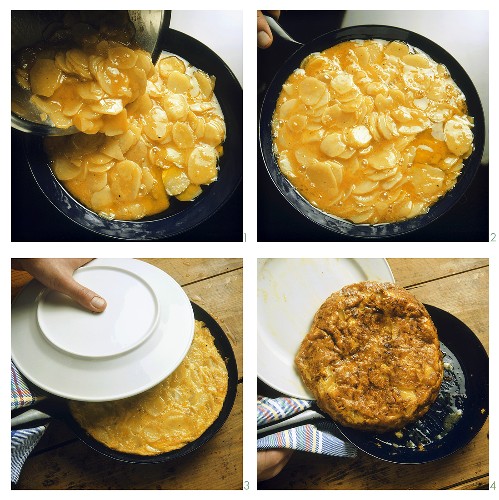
point(371, 131)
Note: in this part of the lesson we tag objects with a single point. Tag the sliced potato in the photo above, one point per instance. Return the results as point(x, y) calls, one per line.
point(64, 170)
point(179, 83)
point(321, 175)
point(397, 49)
point(202, 165)
point(144, 62)
point(175, 180)
point(214, 132)
point(458, 137)
point(205, 82)
point(108, 106)
point(96, 181)
point(45, 78)
point(90, 91)
point(176, 106)
point(127, 140)
point(141, 106)
point(148, 180)
point(122, 57)
point(124, 179)
point(102, 199)
point(311, 90)
point(114, 124)
point(111, 147)
point(332, 145)
point(138, 152)
point(192, 191)
point(169, 64)
point(182, 135)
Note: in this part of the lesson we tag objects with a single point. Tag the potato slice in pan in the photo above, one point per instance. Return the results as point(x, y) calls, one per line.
point(332, 145)
point(458, 137)
point(206, 83)
point(64, 170)
point(169, 64)
point(202, 165)
point(102, 199)
point(122, 57)
point(96, 181)
point(179, 83)
point(192, 192)
point(45, 78)
point(311, 90)
point(182, 135)
point(321, 175)
point(175, 180)
point(125, 179)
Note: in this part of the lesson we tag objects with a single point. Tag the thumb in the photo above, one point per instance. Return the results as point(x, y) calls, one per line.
point(84, 296)
point(264, 33)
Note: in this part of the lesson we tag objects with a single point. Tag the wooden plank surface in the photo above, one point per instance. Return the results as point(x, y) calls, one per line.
point(61, 461)
point(459, 286)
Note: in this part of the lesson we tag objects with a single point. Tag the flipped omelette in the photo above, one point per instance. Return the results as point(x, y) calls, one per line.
point(372, 357)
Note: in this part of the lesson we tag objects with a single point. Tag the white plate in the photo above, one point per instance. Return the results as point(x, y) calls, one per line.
point(141, 337)
point(290, 291)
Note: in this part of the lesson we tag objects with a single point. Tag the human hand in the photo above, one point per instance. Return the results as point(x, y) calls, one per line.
point(57, 274)
point(270, 463)
point(264, 33)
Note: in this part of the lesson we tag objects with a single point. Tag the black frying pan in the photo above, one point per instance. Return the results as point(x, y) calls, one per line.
point(58, 407)
point(369, 32)
point(457, 415)
point(180, 216)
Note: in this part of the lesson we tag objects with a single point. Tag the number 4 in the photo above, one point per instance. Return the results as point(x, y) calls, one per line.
point(492, 486)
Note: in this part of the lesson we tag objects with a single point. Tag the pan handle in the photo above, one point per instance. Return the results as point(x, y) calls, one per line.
point(277, 29)
point(282, 47)
point(272, 58)
point(305, 417)
point(28, 417)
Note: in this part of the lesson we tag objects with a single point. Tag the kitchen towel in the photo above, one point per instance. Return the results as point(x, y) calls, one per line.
point(319, 437)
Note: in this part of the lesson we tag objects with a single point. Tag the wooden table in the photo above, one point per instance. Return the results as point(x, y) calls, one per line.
point(459, 286)
point(61, 461)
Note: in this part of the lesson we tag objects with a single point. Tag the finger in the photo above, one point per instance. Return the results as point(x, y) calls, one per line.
point(84, 296)
point(88, 298)
point(264, 34)
point(271, 462)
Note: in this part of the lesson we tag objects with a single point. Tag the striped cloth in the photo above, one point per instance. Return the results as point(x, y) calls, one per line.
point(315, 438)
point(20, 395)
point(22, 441)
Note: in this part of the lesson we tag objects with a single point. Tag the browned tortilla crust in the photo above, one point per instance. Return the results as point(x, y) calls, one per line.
point(372, 357)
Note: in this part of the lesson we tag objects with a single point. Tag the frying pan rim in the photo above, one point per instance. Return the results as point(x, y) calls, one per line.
point(162, 225)
point(230, 361)
point(342, 226)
